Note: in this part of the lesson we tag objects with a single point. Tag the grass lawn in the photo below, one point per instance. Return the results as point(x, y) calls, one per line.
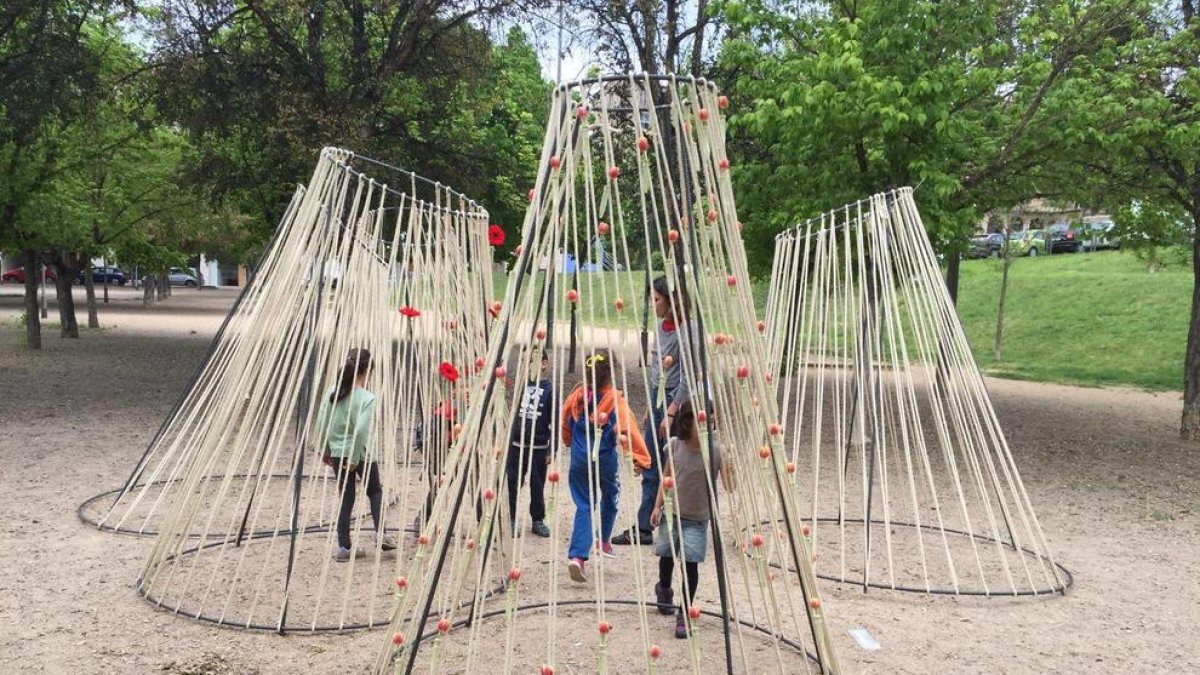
point(1093, 319)
point(1097, 319)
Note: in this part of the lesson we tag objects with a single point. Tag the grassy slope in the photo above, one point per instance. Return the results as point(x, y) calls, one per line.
point(1094, 319)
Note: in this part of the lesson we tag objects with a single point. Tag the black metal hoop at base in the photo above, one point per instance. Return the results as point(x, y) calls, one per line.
point(87, 519)
point(461, 623)
point(1068, 579)
point(160, 605)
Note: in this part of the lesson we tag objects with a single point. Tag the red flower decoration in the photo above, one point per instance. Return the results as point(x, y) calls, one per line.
point(448, 371)
point(410, 312)
point(496, 235)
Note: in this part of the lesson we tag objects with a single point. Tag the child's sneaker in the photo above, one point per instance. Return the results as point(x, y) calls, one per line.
point(633, 534)
point(344, 554)
point(665, 597)
point(681, 631)
point(607, 549)
point(539, 528)
point(512, 527)
point(387, 543)
point(575, 567)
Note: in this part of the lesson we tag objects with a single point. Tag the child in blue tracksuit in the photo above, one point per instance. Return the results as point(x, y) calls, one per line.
point(595, 418)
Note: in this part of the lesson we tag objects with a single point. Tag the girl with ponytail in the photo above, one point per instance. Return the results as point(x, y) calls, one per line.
point(344, 420)
point(597, 424)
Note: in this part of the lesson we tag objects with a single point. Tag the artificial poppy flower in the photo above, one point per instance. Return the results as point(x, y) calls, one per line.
point(448, 371)
point(496, 235)
point(410, 312)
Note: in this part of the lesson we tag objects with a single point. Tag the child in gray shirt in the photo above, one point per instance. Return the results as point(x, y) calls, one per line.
point(684, 530)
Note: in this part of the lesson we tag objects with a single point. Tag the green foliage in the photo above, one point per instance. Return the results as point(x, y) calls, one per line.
point(414, 84)
point(49, 70)
point(513, 133)
point(967, 102)
point(1157, 235)
point(1140, 155)
point(109, 180)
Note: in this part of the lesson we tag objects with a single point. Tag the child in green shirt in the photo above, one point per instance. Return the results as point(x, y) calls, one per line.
point(344, 420)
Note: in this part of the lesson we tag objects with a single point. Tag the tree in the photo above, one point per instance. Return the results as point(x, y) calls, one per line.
point(649, 36)
point(123, 165)
point(1007, 253)
point(967, 102)
point(48, 73)
point(411, 83)
point(513, 129)
point(1141, 153)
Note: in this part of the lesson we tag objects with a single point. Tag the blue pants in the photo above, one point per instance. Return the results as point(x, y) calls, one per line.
point(651, 477)
point(603, 481)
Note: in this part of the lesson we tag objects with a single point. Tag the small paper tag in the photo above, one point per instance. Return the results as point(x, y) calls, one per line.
point(865, 640)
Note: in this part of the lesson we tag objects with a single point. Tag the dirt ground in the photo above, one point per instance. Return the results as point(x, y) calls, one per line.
point(1116, 492)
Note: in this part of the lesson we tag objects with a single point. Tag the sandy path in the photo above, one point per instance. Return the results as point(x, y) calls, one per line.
point(1116, 492)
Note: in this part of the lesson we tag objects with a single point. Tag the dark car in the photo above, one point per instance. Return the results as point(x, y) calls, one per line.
point(101, 275)
point(1062, 238)
point(17, 275)
point(986, 245)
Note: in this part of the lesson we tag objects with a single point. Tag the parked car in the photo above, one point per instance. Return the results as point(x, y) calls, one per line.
point(1062, 238)
point(986, 245)
point(1095, 236)
point(179, 277)
point(17, 275)
point(100, 275)
point(1027, 242)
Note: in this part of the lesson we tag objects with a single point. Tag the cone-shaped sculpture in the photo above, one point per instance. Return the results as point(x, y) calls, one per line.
point(330, 379)
point(905, 476)
point(138, 506)
point(631, 279)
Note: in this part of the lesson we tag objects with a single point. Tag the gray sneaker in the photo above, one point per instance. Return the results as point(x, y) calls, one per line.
point(387, 543)
point(343, 554)
point(539, 528)
point(665, 599)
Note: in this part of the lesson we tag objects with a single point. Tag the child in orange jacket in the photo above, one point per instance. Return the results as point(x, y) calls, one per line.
point(596, 421)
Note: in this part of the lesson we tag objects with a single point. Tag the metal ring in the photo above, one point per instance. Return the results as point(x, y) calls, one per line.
point(1060, 589)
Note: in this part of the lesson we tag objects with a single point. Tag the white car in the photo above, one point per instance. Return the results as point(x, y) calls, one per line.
point(1096, 236)
point(178, 277)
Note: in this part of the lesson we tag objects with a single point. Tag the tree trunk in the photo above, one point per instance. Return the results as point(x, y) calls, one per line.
point(1189, 427)
point(952, 263)
point(998, 348)
point(33, 321)
point(164, 287)
point(89, 285)
point(148, 285)
point(66, 301)
point(698, 38)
